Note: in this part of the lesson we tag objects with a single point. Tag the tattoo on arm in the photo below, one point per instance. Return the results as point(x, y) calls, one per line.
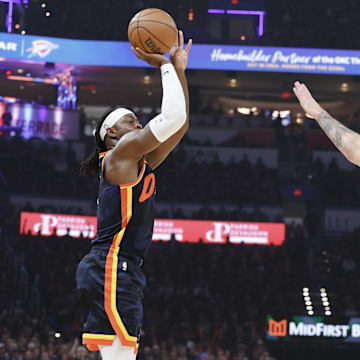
point(335, 131)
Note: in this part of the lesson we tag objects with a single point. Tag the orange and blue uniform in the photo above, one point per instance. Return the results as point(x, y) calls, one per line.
point(110, 278)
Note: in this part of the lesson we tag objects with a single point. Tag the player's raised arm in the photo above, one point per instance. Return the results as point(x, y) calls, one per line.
point(346, 140)
point(131, 142)
point(179, 58)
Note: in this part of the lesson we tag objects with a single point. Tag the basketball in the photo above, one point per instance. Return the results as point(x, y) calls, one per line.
point(152, 30)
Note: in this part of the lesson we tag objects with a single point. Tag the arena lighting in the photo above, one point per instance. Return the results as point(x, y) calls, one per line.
point(324, 299)
point(23, 32)
point(20, 71)
point(309, 308)
point(305, 289)
point(344, 87)
point(308, 302)
point(286, 95)
point(326, 303)
point(191, 15)
point(327, 313)
point(323, 294)
point(298, 192)
point(258, 13)
point(43, 5)
point(323, 289)
point(57, 335)
point(146, 79)
point(17, 26)
point(307, 298)
point(327, 308)
point(216, 11)
point(48, 13)
point(242, 37)
point(310, 312)
point(233, 82)
point(29, 78)
point(243, 110)
point(305, 293)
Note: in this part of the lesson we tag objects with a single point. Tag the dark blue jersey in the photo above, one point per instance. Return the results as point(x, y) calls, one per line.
point(126, 213)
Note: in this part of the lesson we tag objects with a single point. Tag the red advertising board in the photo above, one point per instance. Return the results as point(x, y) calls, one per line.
point(57, 224)
point(211, 232)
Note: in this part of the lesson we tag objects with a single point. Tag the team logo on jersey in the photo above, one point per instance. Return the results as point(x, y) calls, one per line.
point(42, 48)
point(124, 266)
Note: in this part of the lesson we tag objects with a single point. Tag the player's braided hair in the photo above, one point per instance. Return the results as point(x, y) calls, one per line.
point(91, 163)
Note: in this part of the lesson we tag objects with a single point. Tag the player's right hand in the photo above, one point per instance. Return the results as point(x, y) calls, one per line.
point(308, 103)
point(152, 59)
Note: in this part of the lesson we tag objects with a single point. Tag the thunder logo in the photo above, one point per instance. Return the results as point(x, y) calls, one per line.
point(42, 48)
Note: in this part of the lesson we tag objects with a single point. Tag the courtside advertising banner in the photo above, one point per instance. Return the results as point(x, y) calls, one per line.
point(312, 327)
point(39, 49)
point(194, 231)
point(57, 224)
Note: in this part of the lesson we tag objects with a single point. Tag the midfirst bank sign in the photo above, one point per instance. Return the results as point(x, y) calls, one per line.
point(312, 327)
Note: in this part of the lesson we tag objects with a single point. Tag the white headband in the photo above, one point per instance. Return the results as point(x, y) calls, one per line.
point(111, 120)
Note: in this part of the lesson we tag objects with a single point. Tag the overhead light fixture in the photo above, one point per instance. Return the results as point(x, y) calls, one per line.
point(233, 82)
point(146, 79)
point(344, 87)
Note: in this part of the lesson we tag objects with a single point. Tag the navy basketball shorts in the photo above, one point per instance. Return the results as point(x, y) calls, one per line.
point(111, 288)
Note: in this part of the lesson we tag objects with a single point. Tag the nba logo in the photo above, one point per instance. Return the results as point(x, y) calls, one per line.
point(277, 328)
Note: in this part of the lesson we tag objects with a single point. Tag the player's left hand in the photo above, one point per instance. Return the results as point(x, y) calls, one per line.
point(179, 55)
point(307, 102)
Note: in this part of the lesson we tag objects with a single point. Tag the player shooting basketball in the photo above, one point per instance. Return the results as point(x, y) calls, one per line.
point(346, 140)
point(110, 278)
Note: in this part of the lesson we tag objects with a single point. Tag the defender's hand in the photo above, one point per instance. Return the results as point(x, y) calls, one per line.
point(152, 59)
point(179, 55)
point(307, 102)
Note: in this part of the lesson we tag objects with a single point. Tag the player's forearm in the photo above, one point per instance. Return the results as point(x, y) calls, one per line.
point(182, 77)
point(173, 103)
point(346, 140)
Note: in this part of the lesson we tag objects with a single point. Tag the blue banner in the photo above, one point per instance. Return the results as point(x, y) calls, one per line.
point(206, 57)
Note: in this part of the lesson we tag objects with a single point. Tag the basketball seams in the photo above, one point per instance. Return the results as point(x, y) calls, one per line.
point(140, 21)
point(130, 36)
point(140, 27)
point(159, 22)
point(137, 28)
point(153, 12)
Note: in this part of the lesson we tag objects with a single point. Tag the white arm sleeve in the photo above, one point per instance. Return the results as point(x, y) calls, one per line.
point(173, 109)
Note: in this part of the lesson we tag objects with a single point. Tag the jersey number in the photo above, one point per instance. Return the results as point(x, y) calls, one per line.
point(148, 188)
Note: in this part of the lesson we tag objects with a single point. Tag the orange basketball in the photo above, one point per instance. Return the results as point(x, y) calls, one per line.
point(152, 30)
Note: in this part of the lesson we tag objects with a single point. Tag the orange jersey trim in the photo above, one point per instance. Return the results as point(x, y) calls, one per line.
point(92, 341)
point(111, 274)
point(130, 184)
point(103, 155)
point(135, 182)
